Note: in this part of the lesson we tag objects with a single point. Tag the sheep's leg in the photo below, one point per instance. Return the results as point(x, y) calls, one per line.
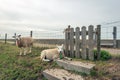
point(21, 49)
point(29, 50)
point(45, 59)
point(25, 51)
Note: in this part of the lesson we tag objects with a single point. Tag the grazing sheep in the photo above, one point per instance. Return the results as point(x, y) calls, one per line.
point(52, 54)
point(24, 43)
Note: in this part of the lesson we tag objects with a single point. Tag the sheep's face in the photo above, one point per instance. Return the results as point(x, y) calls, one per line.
point(60, 49)
point(18, 40)
point(18, 37)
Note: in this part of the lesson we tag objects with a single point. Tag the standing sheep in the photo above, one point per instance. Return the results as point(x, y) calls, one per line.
point(24, 43)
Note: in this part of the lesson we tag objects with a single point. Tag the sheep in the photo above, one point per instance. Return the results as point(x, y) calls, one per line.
point(52, 54)
point(24, 43)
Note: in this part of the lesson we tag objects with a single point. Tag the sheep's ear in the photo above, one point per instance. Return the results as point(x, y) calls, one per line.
point(57, 46)
point(19, 35)
point(62, 45)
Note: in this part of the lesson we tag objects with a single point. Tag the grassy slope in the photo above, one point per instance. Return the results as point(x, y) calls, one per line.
point(13, 66)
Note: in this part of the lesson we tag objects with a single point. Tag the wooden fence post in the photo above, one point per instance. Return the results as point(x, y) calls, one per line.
point(72, 42)
point(66, 43)
point(67, 40)
point(15, 38)
point(114, 36)
point(31, 33)
point(5, 38)
point(90, 43)
point(98, 41)
point(77, 43)
point(84, 46)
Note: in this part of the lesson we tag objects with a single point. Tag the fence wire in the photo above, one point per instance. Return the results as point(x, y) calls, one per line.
point(107, 32)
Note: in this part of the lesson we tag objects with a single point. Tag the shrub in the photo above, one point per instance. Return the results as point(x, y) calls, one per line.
point(105, 55)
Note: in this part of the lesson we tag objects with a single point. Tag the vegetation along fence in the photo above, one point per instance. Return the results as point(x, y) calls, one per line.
point(80, 43)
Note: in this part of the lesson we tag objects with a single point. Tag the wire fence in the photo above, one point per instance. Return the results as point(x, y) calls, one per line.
point(53, 37)
point(36, 34)
point(107, 32)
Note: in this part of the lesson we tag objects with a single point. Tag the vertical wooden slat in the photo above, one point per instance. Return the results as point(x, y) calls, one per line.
point(66, 43)
point(84, 46)
point(95, 39)
point(71, 42)
point(77, 43)
point(90, 43)
point(98, 41)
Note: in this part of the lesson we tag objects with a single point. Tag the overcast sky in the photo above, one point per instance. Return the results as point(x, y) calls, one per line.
point(21, 15)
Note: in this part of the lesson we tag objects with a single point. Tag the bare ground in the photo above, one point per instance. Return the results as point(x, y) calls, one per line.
point(112, 51)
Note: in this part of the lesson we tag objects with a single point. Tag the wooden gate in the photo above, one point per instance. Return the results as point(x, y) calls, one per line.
point(80, 43)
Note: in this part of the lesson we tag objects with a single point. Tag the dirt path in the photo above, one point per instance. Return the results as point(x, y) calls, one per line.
point(112, 51)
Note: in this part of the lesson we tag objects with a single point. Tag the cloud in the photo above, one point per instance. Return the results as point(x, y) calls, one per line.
point(55, 14)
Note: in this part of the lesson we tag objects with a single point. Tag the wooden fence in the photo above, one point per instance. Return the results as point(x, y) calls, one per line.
point(80, 43)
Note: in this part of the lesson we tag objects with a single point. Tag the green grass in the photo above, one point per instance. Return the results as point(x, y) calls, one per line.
point(29, 67)
point(15, 67)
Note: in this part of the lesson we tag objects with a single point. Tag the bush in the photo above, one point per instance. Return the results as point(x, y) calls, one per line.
point(105, 55)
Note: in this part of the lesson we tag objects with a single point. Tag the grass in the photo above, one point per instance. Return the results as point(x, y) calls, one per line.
point(29, 67)
point(15, 67)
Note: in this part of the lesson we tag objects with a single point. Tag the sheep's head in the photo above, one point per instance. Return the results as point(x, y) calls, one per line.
point(18, 40)
point(18, 37)
point(61, 49)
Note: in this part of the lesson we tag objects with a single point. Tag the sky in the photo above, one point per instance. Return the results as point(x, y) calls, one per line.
point(44, 15)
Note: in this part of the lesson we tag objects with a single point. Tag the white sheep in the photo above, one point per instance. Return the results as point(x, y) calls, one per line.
point(24, 43)
point(52, 54)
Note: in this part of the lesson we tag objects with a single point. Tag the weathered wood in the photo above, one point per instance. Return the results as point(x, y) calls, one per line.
point(71, 42)
point(95, 37)
point(66, 43)
point(114, 36)
point(31, 33)
point(15, 38)
point(77, 43)
point(5, 38)
point(98, 41)
point(80, 33)
point(84, 46)
point(90, 43)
